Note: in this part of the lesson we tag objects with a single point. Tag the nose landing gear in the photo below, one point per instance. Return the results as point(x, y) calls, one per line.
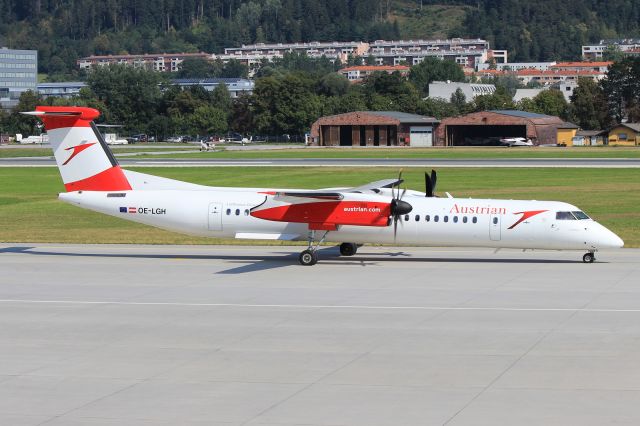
point(589, 257)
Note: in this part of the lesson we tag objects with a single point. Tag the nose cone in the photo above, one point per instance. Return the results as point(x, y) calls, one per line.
point(607, 239)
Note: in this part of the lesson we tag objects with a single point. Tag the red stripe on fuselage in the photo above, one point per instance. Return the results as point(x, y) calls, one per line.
point(112, 179)
point(329, 213)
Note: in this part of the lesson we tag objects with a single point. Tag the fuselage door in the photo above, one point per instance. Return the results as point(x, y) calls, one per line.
point(494, 227)
point(215, 217)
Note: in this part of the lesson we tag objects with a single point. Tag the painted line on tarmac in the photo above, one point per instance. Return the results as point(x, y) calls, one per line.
point(289, 306)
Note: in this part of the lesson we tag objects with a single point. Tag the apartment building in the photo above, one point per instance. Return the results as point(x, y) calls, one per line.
point(162, 62)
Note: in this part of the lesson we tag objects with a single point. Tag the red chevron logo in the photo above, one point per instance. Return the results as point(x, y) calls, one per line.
point(77, 150)
point(526, 215)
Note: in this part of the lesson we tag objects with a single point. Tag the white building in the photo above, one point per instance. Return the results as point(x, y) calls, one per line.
point(444, 89)
point(592, 52)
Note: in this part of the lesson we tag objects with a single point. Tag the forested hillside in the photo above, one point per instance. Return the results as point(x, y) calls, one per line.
point(63, 30)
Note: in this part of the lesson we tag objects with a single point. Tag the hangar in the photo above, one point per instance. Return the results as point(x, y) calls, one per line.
point(374, 128)
point(488, 127)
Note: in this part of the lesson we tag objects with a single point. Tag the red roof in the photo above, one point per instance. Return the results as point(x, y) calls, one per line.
point(583, 64)
point(377, 68)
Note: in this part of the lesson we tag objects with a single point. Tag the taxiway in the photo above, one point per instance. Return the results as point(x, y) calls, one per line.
point(243, 335)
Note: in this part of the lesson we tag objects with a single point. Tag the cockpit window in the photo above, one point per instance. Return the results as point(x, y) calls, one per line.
point(580, 215)
point(565, 216)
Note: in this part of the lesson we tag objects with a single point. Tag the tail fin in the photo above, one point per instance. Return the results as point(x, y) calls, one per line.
point(85, 161)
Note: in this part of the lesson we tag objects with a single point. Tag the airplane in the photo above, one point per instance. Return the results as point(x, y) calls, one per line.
point(378, 212)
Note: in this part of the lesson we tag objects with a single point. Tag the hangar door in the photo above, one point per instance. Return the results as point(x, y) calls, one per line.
point(421, 136)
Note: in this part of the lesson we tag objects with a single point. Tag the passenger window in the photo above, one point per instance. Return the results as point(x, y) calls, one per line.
point(406, 218)
point(246, 212)
point(237, 212)
point(446, 219)
point(464, 219)
point(427, 218)
point(228, 212)
point(580, 215)
point(565, 216)
point(417, 218)
point(475, 220)
point(495, 220)
point(436, 218)
point(455, 219)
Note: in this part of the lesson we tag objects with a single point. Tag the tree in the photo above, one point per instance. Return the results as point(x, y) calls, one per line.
point(132, 95)
point(207, 119)
point(285, 105)
point(551, 102)
point(459, 100)
point(333, 84)
point(198, 68)
point(588, 108)
point(434, 69)
point(500, 99)
point(621, 89)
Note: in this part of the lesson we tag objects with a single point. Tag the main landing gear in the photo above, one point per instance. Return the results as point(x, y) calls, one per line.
point(309, 257)
point(348, 249)
point(589, 257)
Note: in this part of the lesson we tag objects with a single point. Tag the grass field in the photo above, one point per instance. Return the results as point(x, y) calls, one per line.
point(30, 210)
point(47, 152)
point(462, 153)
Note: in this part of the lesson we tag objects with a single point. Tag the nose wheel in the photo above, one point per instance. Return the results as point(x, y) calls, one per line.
point(588, 257)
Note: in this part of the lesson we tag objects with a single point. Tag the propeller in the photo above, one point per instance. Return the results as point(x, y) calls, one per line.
point(398, 207)
point(430, 183)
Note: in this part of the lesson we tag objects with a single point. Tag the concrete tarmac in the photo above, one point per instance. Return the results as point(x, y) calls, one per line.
point(243, 335)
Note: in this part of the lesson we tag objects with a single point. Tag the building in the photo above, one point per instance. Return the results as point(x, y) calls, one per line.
point(589, 138)
point(516, 66)
point(236, 86)
point(163, 62)
point(625, 134)
point(488, 127)
point(18, 74)
point(253, 55)
point(594, 52)
point(526, 94)
point(465, 52)
point(468, 53)
point(444, 89)
point(358, 73)
point(374, 128)
point(566, 132)
point(69, 89)
point(66, 89)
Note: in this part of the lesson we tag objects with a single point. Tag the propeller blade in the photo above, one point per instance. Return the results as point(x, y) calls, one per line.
point(434, 180)
point(428, 185)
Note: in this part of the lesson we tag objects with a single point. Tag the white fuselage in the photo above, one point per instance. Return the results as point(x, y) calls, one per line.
point(225, 213)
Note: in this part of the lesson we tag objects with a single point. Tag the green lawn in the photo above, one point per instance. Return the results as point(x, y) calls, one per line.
point(461, 153)
point(30, 210)
point(47, 152)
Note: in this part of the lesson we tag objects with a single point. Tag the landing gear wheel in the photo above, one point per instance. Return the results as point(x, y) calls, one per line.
point(588, 258)
point(348, 249)
point(308, 258)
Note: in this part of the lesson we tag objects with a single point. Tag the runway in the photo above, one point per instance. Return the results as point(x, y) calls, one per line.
point(243, 335)
point(348, 162)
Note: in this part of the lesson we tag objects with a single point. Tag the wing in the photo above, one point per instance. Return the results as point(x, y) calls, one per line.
point(377, 185)
point(325, 210)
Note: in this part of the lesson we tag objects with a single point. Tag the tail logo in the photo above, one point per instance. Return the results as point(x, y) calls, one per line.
point(77, 150)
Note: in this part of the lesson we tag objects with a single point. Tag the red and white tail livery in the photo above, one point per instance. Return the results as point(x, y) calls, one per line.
point(378, 212)
point(83, 157)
